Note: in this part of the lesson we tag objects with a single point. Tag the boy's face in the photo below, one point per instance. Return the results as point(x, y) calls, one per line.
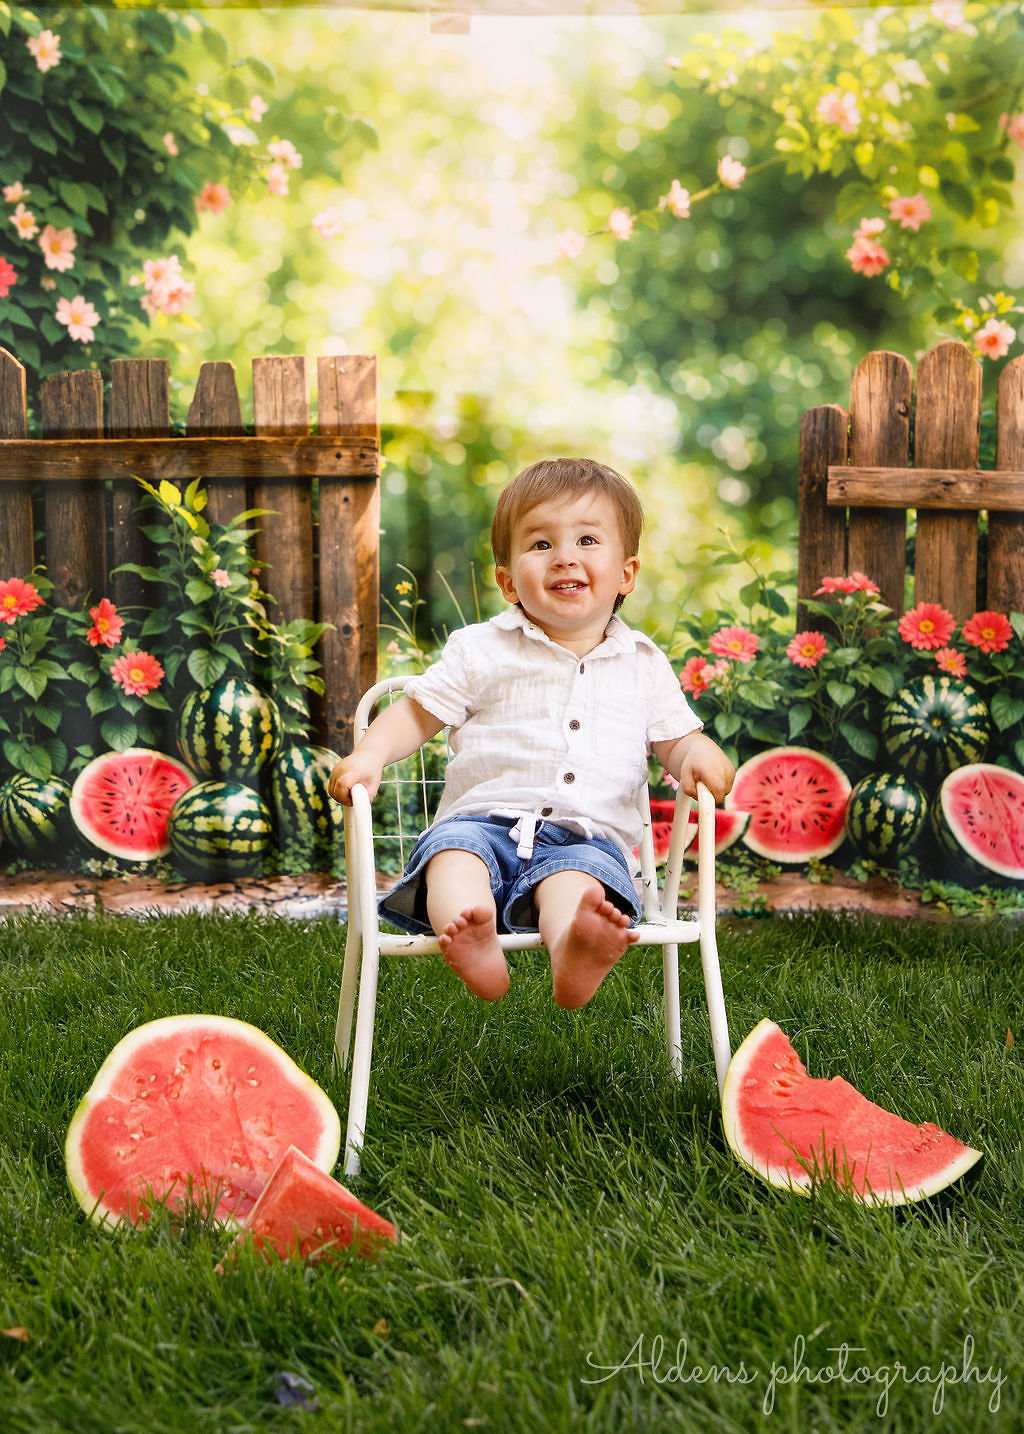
point(568, 565)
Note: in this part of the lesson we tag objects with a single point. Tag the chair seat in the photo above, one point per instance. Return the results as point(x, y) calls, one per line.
point(650, 933)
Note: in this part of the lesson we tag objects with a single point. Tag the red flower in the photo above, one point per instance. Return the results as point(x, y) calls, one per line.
point(855, 583)
point(3, 643)
point(137, 672)
point(991, 631)
point(952, 661)
point(107, 625)
point(8, 276)
point(737, 643)
point(927, 626)
point(693, 677)
point(807, 649)
point(17, 598)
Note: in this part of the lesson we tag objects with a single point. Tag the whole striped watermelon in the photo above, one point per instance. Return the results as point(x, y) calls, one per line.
point(885, 815)
point(304, 814)
point(35, 814)
point(229, 730)
point(220, 830)
point(934, 725)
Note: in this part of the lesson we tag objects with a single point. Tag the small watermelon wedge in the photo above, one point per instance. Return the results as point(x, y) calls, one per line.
point(304, 1212)
point(792, 1130)
point(121, 802)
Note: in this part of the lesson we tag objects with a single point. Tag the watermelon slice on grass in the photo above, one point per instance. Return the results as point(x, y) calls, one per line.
point(794, 1130)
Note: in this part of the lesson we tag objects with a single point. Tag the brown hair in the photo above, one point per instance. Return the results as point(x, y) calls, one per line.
point(562, 478)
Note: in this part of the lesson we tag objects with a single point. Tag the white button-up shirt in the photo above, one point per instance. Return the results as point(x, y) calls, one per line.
point(540, 733)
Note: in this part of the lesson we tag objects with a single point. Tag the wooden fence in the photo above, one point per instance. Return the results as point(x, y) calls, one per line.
point(860, 460)
point(326, 570)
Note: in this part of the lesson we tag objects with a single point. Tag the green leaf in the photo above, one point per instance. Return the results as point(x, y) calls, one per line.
point(1006, 710)
point(882, 680)
point(113, 147)
point(98, 701)
point(865, 744)
point(1017, 623)
point(5, 18)
point(96, 197)
point(48, 716)
point(215, 44)
point(263, 72)
point(119, 733)
point(1018, 749)
point(957, 196)
point(197, 591)
point(774, 600)
point(727, 723)
point(3, 74)
point(32, 682)
point(14, 314)
point(81, 673)
point(111, 87)
point(205, 667)
point(151, 575)
point(158, 621)
point(43, 140)
point(87, 115)
point(251, 513)
point(35, 760)
point(799, 716)
point(157, 699)
point(73, 196)
point(840, 692)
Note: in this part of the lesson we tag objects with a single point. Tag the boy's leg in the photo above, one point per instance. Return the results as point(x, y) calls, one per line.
point(584, 932)
point(460, 908)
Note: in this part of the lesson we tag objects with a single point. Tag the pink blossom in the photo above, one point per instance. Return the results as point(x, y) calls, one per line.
point(677, 200)
point(169, 143)
point(24, 222)
point(731, 172)
point(329, 223)
point(869, 228)
point(951, 661)
point(694, 676)
point(911, 210)
point(571, 243)
point(8, 277)
point(807, 649)
point(285, 151)
point(839, 107)
point(79, 316)
point(927, 627)
point(620, 222)
point(46, 49)
point(277, 179)
point(137, 672)
point(257, 108)
point(221, 577)
point(738, 644)
point(161, 273)
point(1014, 127)
point(213, 198)
point(867, 257)
point(14, 192)
point(58, 246)
point(994, 338)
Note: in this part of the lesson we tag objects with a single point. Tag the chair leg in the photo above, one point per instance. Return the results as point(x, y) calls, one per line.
point(673, 1038)
point(353, 942)
point(708, 945)
point(359, 1090)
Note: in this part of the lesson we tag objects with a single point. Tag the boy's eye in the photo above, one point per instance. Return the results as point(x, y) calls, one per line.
point(588, 538)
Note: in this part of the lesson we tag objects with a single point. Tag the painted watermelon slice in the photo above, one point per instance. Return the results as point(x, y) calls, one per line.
point(121, 802)
point(980, 815)
point(797, 803)
point(304, 1211)
point(193, 1107)
point(729, 827)
point(792, 1129)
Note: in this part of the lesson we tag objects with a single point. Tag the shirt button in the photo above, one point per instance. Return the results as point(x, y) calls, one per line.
point(569, 777)
point(581, 666)
point(574, 726)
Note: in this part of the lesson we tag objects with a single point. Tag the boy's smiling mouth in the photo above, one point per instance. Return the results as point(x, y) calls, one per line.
point(568, 586)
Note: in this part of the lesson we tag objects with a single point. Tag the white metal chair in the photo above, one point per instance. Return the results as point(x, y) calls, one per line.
point(660, 926)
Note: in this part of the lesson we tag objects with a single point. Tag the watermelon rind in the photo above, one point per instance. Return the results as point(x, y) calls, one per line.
point(34, 813)
point(803, 1183)
point(91, 777)
point(935, 724)
point(948, 827)
point(223, 828)
point(230, 730)
point(780, 851)
point(128, 1047)
point(302, 810)
point(885, 815)
point(730, 824)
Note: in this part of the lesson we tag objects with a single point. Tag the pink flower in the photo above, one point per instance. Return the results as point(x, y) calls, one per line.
point(731, 172)
point(3, 643)
point(257, 108)
point(14, 192)
point(676, 201)
point(911, 210)
point(161, 273)
point(857, 582)
point(994, 338)
point(867, 257)
point(220, 577)
point(169, 143)
point(137, 672)
point(277, 179)
point(927, 627)
point(571, 243)
point(839, 107)
point(285, 151)
point(24, 222)
point(80, 317)
point(8, 276)
point(176, 297)
point(738, 644)
point(991, 631)
point(17, 598)
point(620, 222)
point(107, 625)
point(807, 649)
point(58, 246)
point(1014, 127)
point(46, 48)
point(213, 198)
point(951, 661)
point(693, 678)
point(329, 223)
point(869, 228)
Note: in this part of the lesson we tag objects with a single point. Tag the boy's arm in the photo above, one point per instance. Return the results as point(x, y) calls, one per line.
point(397, 732)
point(696, 758)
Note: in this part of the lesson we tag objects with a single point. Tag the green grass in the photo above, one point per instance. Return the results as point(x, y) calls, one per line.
point(557, 1193)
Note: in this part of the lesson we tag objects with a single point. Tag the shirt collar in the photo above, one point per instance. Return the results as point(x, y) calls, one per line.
point(618, 637)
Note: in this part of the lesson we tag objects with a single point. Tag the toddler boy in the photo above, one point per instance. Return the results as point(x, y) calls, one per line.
point(553, 707)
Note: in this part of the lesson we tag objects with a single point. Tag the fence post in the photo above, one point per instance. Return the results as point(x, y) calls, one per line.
point(821, 546)
point(17, 544)
point(284, 542)
point(1005, 588)
point(71, 406)
point(215, 411)
point(139, 406)
point(880, 397)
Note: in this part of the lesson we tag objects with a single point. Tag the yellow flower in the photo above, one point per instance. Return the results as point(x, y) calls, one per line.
point(403, 587)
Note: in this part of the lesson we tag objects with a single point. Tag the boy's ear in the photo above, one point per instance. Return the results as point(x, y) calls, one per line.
point(630, 568)
point(503, 578)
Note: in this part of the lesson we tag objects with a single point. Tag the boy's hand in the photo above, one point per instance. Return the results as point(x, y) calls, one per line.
point(357, 767)
point(707, 763)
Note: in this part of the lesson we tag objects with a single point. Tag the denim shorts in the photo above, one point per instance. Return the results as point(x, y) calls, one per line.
point(555, 848)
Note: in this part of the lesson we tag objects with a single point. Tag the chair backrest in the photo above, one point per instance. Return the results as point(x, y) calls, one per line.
point(410, 791)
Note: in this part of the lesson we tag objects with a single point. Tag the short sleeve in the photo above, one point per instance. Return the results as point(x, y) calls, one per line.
point(670, 715)
point(446, 688)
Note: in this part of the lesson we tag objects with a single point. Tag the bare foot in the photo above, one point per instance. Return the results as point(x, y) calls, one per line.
point(471, 948)
point(595, 939)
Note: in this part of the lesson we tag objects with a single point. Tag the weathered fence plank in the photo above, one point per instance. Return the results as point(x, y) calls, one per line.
point(349, 569)
point(1005, 578)
point(90, 459)
point(946, 422)
point(927, 488)
point(17, 548)
point(822, 542)
point(876, 540)
point(71, 404)
point(285, 542)
point(139, 404)
point(216, 409)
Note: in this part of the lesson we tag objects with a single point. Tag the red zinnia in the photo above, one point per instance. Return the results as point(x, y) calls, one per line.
point(807, 649)
point(137, 672)
point(107, 624)
point(737, 643)
point(927, 626)
point(855, 583)
point(991, 631)
point(693, 677)
point(17, 597)
point(951, 661)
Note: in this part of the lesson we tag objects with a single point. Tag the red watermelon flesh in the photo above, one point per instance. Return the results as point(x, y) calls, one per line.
point(983, 805)
point(789, 1127)
point(193, 1107)
point(729, 827)
point(121, 801)
point(304, 1212)
point(797, 801)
